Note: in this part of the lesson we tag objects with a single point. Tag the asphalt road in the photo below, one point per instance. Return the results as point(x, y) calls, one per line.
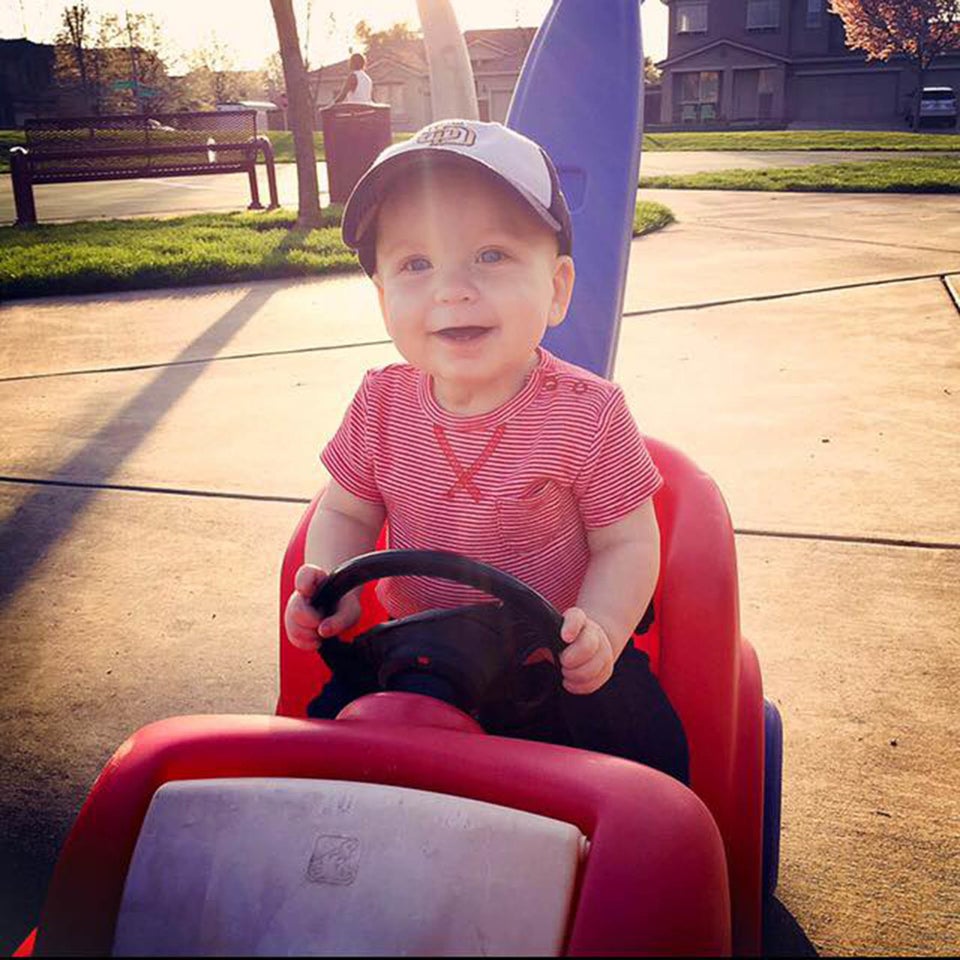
point(175, 195)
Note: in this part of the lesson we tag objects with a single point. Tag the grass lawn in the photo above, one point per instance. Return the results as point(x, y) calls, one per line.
point(96, 256)
point(902, 175)
point(650, 217)
point(802, 140)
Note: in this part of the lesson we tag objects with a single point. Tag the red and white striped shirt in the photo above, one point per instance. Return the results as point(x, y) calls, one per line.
point(517, 487)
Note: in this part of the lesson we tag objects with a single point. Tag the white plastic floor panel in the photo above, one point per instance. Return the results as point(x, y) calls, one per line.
point(320, 867)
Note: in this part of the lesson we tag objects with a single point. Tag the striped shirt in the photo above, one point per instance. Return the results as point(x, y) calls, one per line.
point(516, 488)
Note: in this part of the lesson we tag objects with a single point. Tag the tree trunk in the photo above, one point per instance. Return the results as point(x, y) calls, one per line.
point(921, 76)
point(299, 113)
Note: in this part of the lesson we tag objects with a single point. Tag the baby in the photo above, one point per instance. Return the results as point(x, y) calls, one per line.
point(485, 444)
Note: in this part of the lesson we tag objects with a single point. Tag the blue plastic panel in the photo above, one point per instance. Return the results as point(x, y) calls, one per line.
point(580, 96)
point(772, 789)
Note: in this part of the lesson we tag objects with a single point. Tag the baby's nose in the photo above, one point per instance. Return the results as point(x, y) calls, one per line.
point(455, 286)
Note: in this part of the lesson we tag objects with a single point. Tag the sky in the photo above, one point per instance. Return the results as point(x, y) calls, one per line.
point(246, 26)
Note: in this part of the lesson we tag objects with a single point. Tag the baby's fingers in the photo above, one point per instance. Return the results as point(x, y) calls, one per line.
point(302, 638)
point(301, 614)
point(346, 615)
point(331, 626)
point(587, 678)
point(574, 620)
point(307, 579)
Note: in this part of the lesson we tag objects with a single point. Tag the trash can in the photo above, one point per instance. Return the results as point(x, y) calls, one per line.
point(353, 135)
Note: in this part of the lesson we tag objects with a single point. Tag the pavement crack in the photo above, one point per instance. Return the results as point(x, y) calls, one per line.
point(274, 498)
point(185, 363)
point(649, 311)
point(818, 236)
point(782, 295)
point(163, 491)
point(847, 538)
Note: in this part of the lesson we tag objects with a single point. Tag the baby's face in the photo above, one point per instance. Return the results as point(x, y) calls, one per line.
point(469, 279)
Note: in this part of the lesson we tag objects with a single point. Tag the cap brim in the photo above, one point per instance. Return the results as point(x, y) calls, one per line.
point(361, 207)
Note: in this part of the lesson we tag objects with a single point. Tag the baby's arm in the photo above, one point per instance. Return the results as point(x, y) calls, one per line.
point(619, 582)
point(343, 526)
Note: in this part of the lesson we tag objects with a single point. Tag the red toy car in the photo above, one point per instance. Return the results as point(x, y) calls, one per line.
point(286, 835)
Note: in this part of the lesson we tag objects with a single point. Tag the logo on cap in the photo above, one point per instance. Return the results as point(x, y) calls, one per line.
point(447, 134)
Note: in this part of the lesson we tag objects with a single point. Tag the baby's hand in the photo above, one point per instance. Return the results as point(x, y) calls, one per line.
point(304, 625)
point(587, 663)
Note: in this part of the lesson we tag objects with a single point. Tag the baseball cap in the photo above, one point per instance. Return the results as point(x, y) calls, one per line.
point(513, 159)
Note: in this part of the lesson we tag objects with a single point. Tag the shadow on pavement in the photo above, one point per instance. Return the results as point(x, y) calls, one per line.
point(782, 935)
point(22, 544)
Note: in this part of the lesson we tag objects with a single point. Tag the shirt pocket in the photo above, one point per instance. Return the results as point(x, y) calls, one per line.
point(529, 523)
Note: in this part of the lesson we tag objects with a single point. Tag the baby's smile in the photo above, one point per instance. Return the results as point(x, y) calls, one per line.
point(463, 334)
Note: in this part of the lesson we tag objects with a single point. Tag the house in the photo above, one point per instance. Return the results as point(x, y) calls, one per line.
point(779, 62)
point(26, 81)
point(401, 76)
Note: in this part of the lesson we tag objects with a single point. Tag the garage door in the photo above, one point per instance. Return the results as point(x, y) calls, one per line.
point(840, 97)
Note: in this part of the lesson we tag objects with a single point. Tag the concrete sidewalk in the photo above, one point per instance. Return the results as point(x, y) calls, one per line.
point(156, 450)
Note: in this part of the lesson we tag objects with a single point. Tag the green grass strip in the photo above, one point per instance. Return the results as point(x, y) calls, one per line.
point(650, 217)
point(56, 259)
point(802, 140)
point(916, 175)
point(111, 255)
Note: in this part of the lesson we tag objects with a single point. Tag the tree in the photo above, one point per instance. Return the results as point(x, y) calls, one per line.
point(134, 49)
point(91, 56)
point(214, 64)
point(72, 53)
point(313, 70)
point(299, 114)
point(375, 40)
point(920, 30)
point(651, 72)
point(272, 71)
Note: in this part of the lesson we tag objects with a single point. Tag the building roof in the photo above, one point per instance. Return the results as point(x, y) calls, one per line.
point(723, 41)
point(508, 46)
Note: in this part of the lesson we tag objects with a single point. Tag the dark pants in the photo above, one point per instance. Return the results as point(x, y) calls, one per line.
point(629, 716)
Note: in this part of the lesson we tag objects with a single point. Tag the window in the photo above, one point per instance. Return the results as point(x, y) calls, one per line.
point(691, 18)
point(814, 11)
point(763, 14)
point(699, 96)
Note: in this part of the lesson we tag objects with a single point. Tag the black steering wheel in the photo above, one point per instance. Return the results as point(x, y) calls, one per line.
point(463, 655)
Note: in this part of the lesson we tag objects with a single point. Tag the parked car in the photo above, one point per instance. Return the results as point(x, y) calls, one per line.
point(938, 106)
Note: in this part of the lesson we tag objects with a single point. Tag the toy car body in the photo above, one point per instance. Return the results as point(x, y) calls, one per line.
point(637, 863)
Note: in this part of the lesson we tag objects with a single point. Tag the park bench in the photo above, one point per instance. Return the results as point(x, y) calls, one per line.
point(130, 147)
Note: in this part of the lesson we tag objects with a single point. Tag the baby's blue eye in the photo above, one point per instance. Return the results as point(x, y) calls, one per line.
point(416, 264)
point(491, 256)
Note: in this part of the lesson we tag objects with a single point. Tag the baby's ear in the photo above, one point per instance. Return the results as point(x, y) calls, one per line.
point(564, 275)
